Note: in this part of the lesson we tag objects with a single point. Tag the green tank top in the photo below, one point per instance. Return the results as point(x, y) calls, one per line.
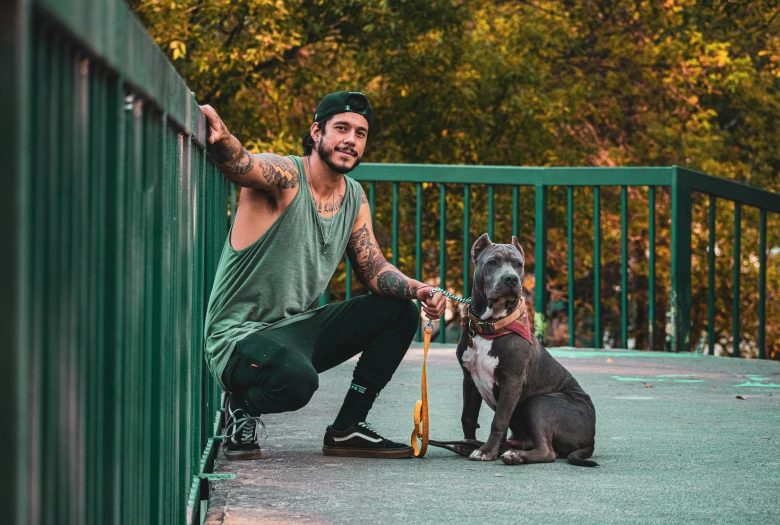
point(281, 276)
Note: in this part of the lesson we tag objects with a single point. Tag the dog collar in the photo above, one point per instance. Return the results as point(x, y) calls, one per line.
point(516, 322)
point(492, 328)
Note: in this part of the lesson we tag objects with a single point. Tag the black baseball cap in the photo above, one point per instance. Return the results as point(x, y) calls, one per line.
point(341, 102)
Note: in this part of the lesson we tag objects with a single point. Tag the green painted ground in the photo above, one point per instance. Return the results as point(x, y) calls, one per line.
point(679, 439)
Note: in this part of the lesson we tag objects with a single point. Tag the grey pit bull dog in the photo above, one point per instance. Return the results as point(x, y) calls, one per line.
point(533, 395)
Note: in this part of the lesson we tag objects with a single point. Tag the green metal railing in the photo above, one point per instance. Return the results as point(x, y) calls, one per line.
point(678, 185)
point(118, 221)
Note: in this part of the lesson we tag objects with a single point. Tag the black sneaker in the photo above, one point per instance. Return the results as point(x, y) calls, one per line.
point(362, 441)
point(241, 433)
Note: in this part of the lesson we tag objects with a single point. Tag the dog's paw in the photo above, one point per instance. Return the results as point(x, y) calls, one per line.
point(480, 455)
point(513, 457)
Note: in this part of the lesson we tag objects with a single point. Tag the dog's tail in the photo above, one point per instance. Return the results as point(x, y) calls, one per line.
point(579, 457)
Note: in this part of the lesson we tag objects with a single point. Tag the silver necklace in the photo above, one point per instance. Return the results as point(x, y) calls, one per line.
point(316, 206)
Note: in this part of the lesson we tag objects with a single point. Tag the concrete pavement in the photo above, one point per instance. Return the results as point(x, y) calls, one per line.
point(674, 441)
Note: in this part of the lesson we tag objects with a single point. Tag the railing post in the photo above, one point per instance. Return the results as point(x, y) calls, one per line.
point(711, 278)
point(735, 296)
point(15, 268)
point(762, 285)
point(540, 263)
point(442, 251)
point(466, 240)
point(418, 246)
point(570, 260)
point(597, 339)
point(651, 269)
point(681, 262)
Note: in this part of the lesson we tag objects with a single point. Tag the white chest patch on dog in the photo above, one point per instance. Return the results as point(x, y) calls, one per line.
point(482, 368)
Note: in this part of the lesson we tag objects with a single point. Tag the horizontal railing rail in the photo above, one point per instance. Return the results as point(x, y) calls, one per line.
point(119, 220)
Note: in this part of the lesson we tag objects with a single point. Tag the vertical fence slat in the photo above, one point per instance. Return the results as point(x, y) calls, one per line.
point(624, 267)
point(681, 263)
point(18, 106)
point(762, 285)
point(442, 251)
point(85, 266)
point(466, 240)
point(596, 268)
point(418, 245)
point(735, 317)
point(158, 405)
point(372, 203)
point(711, 278)
point(540, 265)
point(515, 210)
point(66, 243)
point(37, 400)
point(651, 268)
point(570, 259)
point(491, 212)
point(395, 224)
point(51, 458)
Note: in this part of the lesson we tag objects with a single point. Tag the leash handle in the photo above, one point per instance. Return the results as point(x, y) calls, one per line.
point(421, 424)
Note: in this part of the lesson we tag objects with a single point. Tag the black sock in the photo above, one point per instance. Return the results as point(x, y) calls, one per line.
point(357, 403)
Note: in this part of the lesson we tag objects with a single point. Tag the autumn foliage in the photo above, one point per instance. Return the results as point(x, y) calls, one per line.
point(536, 83)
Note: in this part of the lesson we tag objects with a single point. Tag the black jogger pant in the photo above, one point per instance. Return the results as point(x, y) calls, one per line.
point(276, 370)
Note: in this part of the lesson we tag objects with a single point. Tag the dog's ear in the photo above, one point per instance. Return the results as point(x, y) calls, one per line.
point(516, 244)
point(479, 246)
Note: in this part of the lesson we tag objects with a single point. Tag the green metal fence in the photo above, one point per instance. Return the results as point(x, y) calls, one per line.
point(677, 188)
point(117, 222)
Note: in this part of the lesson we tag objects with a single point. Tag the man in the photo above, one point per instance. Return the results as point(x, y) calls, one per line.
point(265, 341)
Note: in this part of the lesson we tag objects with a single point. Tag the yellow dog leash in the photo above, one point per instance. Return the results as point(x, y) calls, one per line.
point(421, 426)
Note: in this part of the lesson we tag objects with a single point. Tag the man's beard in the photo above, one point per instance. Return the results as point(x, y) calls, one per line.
point(326, 155)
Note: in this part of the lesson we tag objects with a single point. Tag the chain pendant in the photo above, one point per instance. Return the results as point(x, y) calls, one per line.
point(325, 247)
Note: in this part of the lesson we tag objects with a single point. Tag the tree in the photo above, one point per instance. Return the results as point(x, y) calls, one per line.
point(529, 82)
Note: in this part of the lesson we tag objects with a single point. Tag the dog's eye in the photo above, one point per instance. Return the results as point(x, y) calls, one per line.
point(492, 262)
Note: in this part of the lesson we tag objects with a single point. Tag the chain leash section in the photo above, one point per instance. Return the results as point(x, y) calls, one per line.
point(448, 295)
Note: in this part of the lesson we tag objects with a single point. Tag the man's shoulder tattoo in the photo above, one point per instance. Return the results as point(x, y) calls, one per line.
point(279, 171)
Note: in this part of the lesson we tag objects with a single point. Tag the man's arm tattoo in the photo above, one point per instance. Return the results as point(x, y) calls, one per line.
point(369, 262)
point(230, 156)
point(368, 259)
point(393, 283)
point(279, 171)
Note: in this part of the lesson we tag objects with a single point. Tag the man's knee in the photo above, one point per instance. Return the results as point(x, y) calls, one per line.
point(297, 388)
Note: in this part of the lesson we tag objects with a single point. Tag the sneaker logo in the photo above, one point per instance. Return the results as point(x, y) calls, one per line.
point(358, 434)
point(358, 388)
